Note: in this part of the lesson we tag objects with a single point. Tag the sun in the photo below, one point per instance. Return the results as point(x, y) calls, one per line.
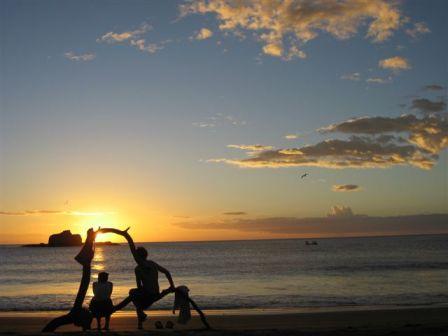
point(98, 220)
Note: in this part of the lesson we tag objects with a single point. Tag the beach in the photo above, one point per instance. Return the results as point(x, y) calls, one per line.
point(379, 321)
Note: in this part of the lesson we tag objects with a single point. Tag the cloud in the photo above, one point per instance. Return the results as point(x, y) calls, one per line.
point(340, 222)
point(148, 47)
point(204, 124)
point(433, 87)
point(220, 119)
point(355, 152)
point(86, 57)
point(31, 212)
point(427, 135)
point(340, 211)
point(370, 142)
point(53, 212)
point(235, 213)
point(283, 27)
point(134, 39)
point(291, 136)
point(112, 37)
point(419, 28)
point(273, 49)
point(379, 80)
point(396, 63)
point(426, 106)
point(254, 148)
point(203, 34)
point(345, 187)
point(354, 76)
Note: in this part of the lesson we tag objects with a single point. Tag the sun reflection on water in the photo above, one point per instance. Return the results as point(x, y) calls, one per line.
point(98, 260)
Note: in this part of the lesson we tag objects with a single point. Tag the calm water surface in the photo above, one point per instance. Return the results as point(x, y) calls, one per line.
point(245, 274)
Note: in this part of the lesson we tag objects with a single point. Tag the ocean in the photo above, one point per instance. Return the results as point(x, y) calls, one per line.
point(264, 274)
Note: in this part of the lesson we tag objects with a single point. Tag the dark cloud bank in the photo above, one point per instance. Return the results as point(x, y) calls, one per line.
point(343, 224)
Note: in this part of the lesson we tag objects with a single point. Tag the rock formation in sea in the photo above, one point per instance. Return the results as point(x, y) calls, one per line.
point(65, 238)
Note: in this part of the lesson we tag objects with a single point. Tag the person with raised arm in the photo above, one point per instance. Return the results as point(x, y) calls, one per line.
point(147, 279)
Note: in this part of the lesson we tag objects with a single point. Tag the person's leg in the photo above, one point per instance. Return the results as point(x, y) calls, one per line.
point(136, 296)
point(98, 323)
point(141, 316)
point(140, 319)
point(106, 327)
point(123, 303)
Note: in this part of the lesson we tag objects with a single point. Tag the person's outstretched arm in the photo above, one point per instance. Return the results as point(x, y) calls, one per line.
point(131, 244)
point(167, 274)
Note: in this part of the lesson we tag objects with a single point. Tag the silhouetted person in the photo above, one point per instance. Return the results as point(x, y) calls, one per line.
point(147, 278)
point(101, 304)
point(146, 272)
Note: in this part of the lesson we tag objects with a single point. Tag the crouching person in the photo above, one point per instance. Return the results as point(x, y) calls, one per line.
point(147, 279)
point(101, 304)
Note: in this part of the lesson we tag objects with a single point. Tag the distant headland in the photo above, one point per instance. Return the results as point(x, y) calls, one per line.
point(66, 238)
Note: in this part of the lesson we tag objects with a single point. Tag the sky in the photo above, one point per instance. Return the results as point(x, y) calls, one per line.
point(195, 120)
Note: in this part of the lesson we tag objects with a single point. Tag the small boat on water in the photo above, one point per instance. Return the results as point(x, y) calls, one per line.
point(311, 242)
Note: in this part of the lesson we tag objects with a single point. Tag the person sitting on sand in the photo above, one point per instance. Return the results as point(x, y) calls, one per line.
point(101, 304)
point(147, 291)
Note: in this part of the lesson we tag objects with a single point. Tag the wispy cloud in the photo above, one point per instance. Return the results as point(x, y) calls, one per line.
point(220, 119)
point(283, 27)
point(291, 136)
point(203, 34)
point(433, 87)
point(253, 148)
point(345, 187)
point(151, 48)
point(134, 38)
point(86, 57)
point(113, 37)
point(396, 63)
point(379, 80)
point(418, 29)
point(235, 213)
point(54, 212)
point(354, 76)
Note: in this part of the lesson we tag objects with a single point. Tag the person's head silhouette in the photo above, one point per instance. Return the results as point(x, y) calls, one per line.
point(142, 252)
point(103, 277)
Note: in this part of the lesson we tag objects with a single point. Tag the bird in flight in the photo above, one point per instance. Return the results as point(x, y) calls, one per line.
point(304, 175)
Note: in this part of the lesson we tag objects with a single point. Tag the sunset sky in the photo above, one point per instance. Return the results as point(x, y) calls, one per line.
point(194, 120)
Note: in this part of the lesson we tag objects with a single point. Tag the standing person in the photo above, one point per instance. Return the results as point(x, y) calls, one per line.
point(101, 304)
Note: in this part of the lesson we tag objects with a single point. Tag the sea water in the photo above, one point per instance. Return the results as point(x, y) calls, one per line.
point(265, 274)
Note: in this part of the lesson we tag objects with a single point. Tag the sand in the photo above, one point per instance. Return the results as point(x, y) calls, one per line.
point(409, 321)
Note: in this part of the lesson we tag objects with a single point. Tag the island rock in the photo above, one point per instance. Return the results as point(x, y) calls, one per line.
point(65, 238)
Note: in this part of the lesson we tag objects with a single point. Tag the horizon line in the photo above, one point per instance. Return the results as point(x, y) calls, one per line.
point(261, 239)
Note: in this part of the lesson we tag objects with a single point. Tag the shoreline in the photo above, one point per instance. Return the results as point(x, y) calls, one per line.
point(402, 321)
point(242, 311)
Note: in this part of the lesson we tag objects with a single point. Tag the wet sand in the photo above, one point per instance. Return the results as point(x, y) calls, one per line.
point(409, 321)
